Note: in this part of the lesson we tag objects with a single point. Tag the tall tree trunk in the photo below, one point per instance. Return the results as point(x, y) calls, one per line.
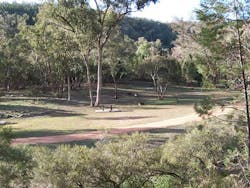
point(99, 76)
point(154, 81)
point(62, 88)
point(69, 88)
point(85, 61)
point(245, 83)
point(115, 86)
point(7, 82)
point(8, 85)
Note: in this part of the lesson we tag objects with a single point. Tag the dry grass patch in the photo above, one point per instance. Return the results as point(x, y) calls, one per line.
point(51, 116)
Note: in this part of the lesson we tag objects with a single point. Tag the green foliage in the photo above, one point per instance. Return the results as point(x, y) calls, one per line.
point(166, 182)
point(212, 156)
point(191, 73)
point(118, 54)
point(128, 162)
point(64, 167)
point(218, 36)
point(150, 30)
point(15, 163)
point(199, 157)
point(208, 157)
point(15, 70)
point(205, 106)
point(20, 9)
point(6, 135)
point(155, 62)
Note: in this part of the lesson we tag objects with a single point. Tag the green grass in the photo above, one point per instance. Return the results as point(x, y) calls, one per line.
point(47, 116)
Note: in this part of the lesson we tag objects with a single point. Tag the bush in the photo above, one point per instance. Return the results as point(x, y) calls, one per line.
point(208, 156)
point(199, 157)
point(64, 167)
point(15, 163)
point(128, 162)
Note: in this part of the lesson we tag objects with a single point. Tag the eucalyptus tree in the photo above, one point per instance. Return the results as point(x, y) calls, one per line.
point(155, 62)
point(39, 37)
point(197, 62)
point(91, 23)
point(14, 66)
point(118, 54)
point(152, 57)
point(227, 23)
point(21, 9)
point(77, 20)
point(109, 14)
point(53, 52)
point(64, 52)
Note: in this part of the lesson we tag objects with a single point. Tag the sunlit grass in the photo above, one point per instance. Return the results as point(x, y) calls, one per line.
point(41, 116)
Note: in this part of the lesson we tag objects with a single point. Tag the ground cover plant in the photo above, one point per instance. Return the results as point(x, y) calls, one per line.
point(78, 78)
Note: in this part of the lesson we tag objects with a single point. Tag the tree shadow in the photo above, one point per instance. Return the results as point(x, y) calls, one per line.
point(166, 130)
point(120, 118)
point(41, 100)
point(181, 99)
point(44, 132)
point(159, 136)
point(90, 143)
point(64, 102)
point(17, 111)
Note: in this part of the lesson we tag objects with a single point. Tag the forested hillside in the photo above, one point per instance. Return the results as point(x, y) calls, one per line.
point(30, 10)
point(150, 30)
point(133, 27)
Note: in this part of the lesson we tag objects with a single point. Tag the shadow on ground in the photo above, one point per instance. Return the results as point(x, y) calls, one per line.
point(166, 130)
point(41, 100)
point(16, 111)
point(41, 133)
point(160, 136)
point(157, 136)
point(120, 118)
point(88, 143)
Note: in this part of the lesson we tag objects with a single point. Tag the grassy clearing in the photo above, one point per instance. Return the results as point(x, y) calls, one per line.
point(42, 116)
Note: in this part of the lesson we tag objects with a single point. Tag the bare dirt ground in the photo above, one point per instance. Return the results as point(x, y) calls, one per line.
point(97, 135)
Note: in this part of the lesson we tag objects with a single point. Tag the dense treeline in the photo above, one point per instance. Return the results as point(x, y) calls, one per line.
point(20, 9)
point(60, 57)
point(132, 27)
point(46, 42)
point(150, 30)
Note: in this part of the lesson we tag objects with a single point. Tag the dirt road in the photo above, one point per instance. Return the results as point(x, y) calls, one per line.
point(93, 135)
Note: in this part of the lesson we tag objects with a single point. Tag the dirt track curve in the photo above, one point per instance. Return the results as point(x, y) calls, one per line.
point(96, 135)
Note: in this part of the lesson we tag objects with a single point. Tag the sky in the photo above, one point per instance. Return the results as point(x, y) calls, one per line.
point(163, 11)
point(169, 10)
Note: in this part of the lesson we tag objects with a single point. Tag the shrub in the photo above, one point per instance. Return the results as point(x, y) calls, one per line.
point(199, 157)
point(15, 163)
